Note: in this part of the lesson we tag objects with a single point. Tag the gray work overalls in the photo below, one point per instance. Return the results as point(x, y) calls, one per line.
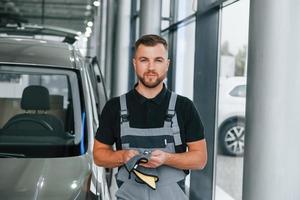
point(165, 139)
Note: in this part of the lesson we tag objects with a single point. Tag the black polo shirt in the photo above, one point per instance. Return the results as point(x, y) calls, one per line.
point(150, 113)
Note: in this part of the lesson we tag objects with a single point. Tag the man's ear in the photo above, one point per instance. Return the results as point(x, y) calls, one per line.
point(168, 64)
point(134, 63)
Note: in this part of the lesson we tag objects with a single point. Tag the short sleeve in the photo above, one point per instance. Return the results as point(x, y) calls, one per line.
point(193, 125)
point(105, 132)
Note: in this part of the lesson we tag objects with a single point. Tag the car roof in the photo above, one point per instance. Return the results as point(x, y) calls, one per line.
point(228, 83)
point(33, 30)
point(235, 80)
point(16, 50)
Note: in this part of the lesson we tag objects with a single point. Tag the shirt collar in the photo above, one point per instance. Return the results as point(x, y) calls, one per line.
point(157, 99)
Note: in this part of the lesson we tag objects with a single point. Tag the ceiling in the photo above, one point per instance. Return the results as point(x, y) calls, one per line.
point(72, 14)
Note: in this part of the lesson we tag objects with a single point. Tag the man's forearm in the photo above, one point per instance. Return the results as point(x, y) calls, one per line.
point(108, 158)
point(187, 160)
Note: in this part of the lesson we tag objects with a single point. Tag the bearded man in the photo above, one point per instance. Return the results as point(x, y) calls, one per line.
point(152, 120)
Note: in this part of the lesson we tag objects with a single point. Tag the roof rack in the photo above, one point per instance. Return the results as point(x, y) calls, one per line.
point(30, 30)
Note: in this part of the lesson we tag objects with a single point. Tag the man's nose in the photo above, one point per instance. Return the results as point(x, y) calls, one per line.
point(151, 65)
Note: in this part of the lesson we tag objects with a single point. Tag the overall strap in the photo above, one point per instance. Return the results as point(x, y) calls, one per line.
point(172, 103)
point(123, 112)
point(171, 120)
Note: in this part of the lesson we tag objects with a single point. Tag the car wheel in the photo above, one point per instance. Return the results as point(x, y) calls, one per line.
point(232, 138)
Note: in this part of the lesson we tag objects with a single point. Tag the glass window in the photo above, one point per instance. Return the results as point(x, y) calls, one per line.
point(186, 8)
point(136, 21)
point(39, 109)
point(9, 78)
point(232, 100)
point(165, 14)
point(97, 83)
point(185, 52)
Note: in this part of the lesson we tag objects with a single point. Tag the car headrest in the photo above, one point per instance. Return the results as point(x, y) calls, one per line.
point(35, 97)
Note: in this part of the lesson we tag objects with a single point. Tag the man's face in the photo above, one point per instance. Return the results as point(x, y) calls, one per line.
point(151, 64)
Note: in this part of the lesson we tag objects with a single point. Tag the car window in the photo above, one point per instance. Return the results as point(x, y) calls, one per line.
point(238, 91)
point(93, 103)
point(40, 112)
point(97, 84)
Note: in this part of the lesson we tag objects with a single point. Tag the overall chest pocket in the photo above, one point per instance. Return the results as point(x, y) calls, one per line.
point(147, 141)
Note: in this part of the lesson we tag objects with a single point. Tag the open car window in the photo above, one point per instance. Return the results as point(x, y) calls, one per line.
point(41, 114)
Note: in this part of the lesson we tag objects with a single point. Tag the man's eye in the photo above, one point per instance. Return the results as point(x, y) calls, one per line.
point(159, 60)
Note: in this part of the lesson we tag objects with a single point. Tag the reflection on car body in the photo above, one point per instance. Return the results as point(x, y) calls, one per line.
point(48, 120)
point(231, 115)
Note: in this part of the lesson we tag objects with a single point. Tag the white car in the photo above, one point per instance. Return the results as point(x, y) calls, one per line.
point(50, 99)
point(231, 115)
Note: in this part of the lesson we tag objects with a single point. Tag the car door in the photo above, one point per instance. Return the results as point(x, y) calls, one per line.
point(100, 96)
point(98, 83)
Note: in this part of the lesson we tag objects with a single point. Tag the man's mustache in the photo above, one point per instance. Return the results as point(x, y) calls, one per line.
point(151, 73)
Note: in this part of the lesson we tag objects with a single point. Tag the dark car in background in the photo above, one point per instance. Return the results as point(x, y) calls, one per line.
point(49, 114)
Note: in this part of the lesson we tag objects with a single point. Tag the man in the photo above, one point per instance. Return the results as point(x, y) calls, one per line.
point(151, 118)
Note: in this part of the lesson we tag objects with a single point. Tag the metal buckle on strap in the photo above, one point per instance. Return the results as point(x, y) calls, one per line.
point(170, 114)
point(124, 116)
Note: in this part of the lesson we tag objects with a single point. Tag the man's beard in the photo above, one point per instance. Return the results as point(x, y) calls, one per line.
point(151, 84)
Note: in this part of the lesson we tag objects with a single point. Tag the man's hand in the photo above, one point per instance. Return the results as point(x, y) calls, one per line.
point(194, 158)
point(157, 159)
point(128, 154)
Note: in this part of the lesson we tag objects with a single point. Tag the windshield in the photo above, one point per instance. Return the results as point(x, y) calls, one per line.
point(40, 113)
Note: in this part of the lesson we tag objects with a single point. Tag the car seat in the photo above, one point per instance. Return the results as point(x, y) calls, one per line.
point(36, 102)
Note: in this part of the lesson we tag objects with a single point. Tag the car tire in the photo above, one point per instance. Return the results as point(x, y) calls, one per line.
point(232, 138)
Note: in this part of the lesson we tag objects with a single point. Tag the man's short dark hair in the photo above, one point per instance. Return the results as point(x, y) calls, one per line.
point(151, 40)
